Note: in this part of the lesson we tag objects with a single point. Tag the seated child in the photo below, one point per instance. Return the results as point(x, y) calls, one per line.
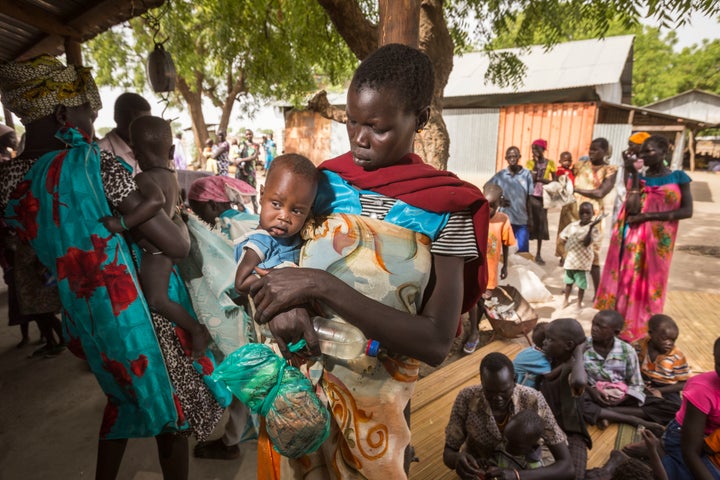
point(615, 387)
point(663, 366)
point(520, 449)
point(565, 345)
point(577, 239)
point(532, 362)
point(500, 237)
point(285, 204)
point(157, 184)
point(664, 369)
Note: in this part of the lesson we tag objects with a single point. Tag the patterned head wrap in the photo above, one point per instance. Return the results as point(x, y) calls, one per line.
point(220, 189)
point(639, 137)
point(34, 88)
point(540, 143)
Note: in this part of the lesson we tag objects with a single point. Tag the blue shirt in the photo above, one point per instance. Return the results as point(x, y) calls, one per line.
point(516, 189)
point(530, 363)
point(271, 250)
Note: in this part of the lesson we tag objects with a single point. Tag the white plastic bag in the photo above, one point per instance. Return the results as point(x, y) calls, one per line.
point(524, 275)
point(558, 193)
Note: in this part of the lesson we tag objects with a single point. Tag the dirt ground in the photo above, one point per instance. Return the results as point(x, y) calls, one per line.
point(51, 408)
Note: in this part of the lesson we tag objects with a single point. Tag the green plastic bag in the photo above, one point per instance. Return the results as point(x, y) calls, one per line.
point(297, 423)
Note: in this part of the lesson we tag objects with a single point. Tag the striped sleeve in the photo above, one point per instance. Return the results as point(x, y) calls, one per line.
point(457, 238)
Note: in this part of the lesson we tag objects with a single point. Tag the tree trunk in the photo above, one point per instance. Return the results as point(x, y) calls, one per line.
point(433, 144)
point(398, 20)
point(234, 89)
point(193, 99)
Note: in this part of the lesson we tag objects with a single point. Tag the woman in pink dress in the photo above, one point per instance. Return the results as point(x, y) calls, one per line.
point(637, 266)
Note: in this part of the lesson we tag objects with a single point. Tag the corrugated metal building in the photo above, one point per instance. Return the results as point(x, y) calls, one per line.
point(571, 94)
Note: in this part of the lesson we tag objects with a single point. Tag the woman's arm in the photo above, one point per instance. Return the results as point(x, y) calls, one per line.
point(691, 446)
point(674, 387)
point(562, 469)
point(598, 193)
point(685, 210)
point(426, 336)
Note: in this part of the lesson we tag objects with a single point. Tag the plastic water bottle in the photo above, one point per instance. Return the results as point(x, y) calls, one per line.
point(341, 340)
point(338, 339)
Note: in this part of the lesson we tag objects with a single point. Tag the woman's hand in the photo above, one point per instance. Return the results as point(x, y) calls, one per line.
point(467, 468)
point(598, 397)
point(633, 219)
point(289, 328)
point(282, 289)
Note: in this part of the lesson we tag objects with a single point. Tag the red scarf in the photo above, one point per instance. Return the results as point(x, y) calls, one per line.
point(421, 185)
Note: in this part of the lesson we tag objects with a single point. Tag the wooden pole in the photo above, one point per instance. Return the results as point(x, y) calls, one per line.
point(400, 22)
point(73, 52)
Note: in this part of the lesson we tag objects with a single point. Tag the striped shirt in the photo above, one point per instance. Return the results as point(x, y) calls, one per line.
point(456, 239)
point(667, 369)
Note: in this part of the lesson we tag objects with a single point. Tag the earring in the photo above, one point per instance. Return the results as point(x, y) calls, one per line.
point(419, 130)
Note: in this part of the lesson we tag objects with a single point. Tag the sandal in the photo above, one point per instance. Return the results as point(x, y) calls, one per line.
point(470, 347)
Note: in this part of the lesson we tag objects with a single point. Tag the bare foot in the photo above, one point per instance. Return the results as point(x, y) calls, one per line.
point(565, 303)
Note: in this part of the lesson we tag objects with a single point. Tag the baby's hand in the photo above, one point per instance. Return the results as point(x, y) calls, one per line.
point(112, 224)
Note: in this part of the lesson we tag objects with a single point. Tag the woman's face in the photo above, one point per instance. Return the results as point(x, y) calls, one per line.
point(597, 154)
point(652, 155)
point(498, 388)
point(537, 151)
point(379, 128)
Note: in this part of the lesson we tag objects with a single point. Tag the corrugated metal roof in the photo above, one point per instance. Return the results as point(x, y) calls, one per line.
point(568, 65)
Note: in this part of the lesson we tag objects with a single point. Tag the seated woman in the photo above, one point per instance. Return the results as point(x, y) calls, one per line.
point(699, 416)
point(479, 418)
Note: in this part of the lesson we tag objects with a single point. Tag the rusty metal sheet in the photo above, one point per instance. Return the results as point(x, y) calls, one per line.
point(565, 126)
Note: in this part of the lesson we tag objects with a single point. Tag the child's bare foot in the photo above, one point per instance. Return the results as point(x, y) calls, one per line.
point(603, 423)
point(200, 341)
point(565, 303)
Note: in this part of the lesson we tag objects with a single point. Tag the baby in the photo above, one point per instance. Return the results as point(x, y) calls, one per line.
point(520, 449)
point(285, 203)
point(162, 240)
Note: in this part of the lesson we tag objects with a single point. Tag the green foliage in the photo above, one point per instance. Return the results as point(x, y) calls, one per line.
point(264, 49)
point(659, 71)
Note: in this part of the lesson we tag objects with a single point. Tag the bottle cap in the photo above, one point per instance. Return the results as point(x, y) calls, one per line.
point(372, 348)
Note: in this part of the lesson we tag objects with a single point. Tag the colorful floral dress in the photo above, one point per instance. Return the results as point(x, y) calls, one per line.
point(637, 266)
point(140, 360)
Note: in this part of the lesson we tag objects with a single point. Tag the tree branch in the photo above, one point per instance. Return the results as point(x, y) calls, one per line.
point(359, 33)
point(319, 103)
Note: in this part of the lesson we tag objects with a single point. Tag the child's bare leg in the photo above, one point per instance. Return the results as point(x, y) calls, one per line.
point(168, 235)
point(155, 273)
point(568, 289)
point(612, 414)
point(581, 293)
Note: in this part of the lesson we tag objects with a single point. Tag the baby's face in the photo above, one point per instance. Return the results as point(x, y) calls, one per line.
point(518, 441)
point(285, 203)
point(565, 161)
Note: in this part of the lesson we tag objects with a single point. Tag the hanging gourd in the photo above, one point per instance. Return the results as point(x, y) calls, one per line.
point(160, 70)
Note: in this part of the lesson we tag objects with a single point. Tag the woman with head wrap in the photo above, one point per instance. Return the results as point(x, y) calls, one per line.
point(211, 199)
point(53, 195)
point(543, 172)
